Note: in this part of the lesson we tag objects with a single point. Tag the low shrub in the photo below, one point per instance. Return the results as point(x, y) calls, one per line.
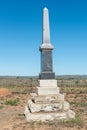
point(12, 102)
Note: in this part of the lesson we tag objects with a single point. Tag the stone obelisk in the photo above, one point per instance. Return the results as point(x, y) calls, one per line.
point(47, 103)
point(46, 49)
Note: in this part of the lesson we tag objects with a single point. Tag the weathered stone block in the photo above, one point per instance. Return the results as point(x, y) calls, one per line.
point(47, 90)
point(48, 116)
point(48, 83)
point(48, 107)
point(71, 114)
point(48, 98)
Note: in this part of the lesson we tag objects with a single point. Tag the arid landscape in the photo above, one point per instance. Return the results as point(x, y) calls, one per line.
point(15, 92)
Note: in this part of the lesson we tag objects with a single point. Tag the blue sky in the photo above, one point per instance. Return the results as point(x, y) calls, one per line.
point(21, 36)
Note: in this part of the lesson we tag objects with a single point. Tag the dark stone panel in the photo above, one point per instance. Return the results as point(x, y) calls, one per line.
point(46, 61)
point(47, 75)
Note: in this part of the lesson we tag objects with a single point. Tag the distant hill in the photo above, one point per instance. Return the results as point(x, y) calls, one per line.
point(71, 76)
point(57, 77)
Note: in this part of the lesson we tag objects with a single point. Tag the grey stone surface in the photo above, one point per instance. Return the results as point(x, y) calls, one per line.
point(46, 56)
point(46, 65)
point(47, 75)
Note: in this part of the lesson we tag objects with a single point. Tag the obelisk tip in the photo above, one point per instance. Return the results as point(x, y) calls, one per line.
point(45, 8)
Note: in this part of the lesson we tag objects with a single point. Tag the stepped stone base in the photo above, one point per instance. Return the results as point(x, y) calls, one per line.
point(48, 107)
point(49, 116)
point(48, 104)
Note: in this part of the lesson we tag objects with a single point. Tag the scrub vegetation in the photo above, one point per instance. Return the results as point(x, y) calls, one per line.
point(12, 106)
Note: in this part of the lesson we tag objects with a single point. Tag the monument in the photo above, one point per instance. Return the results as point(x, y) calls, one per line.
point(46, 50)
point(47, 103)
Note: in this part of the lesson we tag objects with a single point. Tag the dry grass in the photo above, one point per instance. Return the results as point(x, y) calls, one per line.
point(12, 117)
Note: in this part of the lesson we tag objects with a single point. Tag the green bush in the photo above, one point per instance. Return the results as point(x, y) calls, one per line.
point(1, 107)
point(12, 102)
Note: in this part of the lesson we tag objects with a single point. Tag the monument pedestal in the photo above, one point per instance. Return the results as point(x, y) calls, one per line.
point(48, 104)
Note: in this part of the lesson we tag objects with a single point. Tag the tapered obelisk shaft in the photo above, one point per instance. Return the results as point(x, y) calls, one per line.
point(46, 49)
point(46, 29)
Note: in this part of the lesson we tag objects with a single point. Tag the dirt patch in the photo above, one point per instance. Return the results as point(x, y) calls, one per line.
point(4, 92)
